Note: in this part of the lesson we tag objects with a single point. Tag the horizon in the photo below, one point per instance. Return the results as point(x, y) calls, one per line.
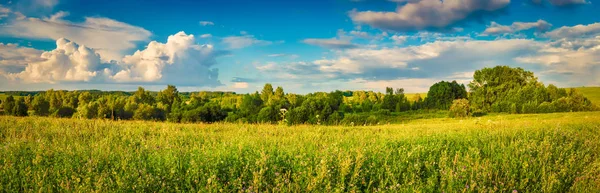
point(304, 47)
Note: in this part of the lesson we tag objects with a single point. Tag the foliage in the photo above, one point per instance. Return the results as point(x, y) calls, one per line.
point(442, 94)
point(460, 108)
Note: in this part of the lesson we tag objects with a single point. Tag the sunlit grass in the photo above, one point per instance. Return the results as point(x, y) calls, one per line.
point(528, 153)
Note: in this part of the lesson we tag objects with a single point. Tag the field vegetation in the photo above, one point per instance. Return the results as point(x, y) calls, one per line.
point(557, 152)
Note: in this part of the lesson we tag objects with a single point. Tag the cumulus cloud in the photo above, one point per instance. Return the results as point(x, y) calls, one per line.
point(206, 23)
point(178, 61)
point(425, 14)
point(237, 42)
point(578, 31)
point(497, 29)
point(69, 62)
point(109, 37)
point(330, 43)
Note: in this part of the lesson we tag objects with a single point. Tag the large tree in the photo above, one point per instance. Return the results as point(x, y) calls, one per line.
point(441, 94)
point(492, 85)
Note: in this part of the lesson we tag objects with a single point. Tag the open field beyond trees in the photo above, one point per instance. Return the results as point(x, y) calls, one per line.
point(557, 152)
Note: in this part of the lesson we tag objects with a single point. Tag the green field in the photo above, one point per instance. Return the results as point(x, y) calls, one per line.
point(557, 152)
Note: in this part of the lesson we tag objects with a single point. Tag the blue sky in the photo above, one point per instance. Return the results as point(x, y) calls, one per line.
point(304, 46)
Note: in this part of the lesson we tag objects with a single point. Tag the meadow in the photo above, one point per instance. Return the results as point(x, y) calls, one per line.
point(558, 152)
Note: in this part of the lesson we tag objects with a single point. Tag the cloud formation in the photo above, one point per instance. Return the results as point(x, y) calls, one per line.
point(178, 61)
point(498, 29)
point(69, 62)
point(109, 37)
point(206, 23)
point(578, 31)
point(238, 42)
point(15, 58)
point(330, 43)
point(425, 14)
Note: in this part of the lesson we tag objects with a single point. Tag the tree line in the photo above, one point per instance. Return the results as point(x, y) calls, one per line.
point(501, 89)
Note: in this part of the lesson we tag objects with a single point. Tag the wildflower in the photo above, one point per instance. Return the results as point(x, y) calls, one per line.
point(515, 191)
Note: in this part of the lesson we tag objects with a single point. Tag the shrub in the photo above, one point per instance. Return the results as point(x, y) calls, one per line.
point(64, 112)
point(335, 118)
point(384, 112)
point(545, 107)
point(529, 107)
point(459, 108)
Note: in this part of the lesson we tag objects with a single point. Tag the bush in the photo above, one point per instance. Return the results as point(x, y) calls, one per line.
point(529, 107)
point(335, 118)
point(64, 112)
point(267, 115)
point(459, 108)
point(561, 105)
point(545, 107)
point(384, 112)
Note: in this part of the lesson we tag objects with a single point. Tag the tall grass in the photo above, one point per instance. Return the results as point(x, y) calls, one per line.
point(524, 153)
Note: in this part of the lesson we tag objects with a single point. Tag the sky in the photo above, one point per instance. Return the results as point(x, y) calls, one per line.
point(303, 46)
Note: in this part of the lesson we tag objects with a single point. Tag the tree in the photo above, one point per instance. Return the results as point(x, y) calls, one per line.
point(268, 115)
point(40, 106)
point(143, 96)
point(266, 92)
point(491, 85)
point(441, 94)
point(8, 105)
point(168, 96)
point(20, 108)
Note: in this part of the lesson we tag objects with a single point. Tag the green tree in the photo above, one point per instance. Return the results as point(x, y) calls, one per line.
point(40, 106)
point(20, 108)
point(8, 104)
point(169, 96)
point(441, 94)
point(266, 92)
point(491, 85)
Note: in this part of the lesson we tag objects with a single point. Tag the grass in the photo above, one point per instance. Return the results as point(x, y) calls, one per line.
point(525, 153)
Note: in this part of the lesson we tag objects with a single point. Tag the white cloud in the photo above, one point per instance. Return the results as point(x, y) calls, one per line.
point(4, 12)
point(275, 55)
point(330, 43)
point(109, 37)
point(69, 62)
point(206, 23)
point(424, 14)
point(178, 61)
point(496, 29)
point(205, 36)
point(399, 39)
point(578, 31)
point(240, 85)
point(237, 42)
point(14, 56)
